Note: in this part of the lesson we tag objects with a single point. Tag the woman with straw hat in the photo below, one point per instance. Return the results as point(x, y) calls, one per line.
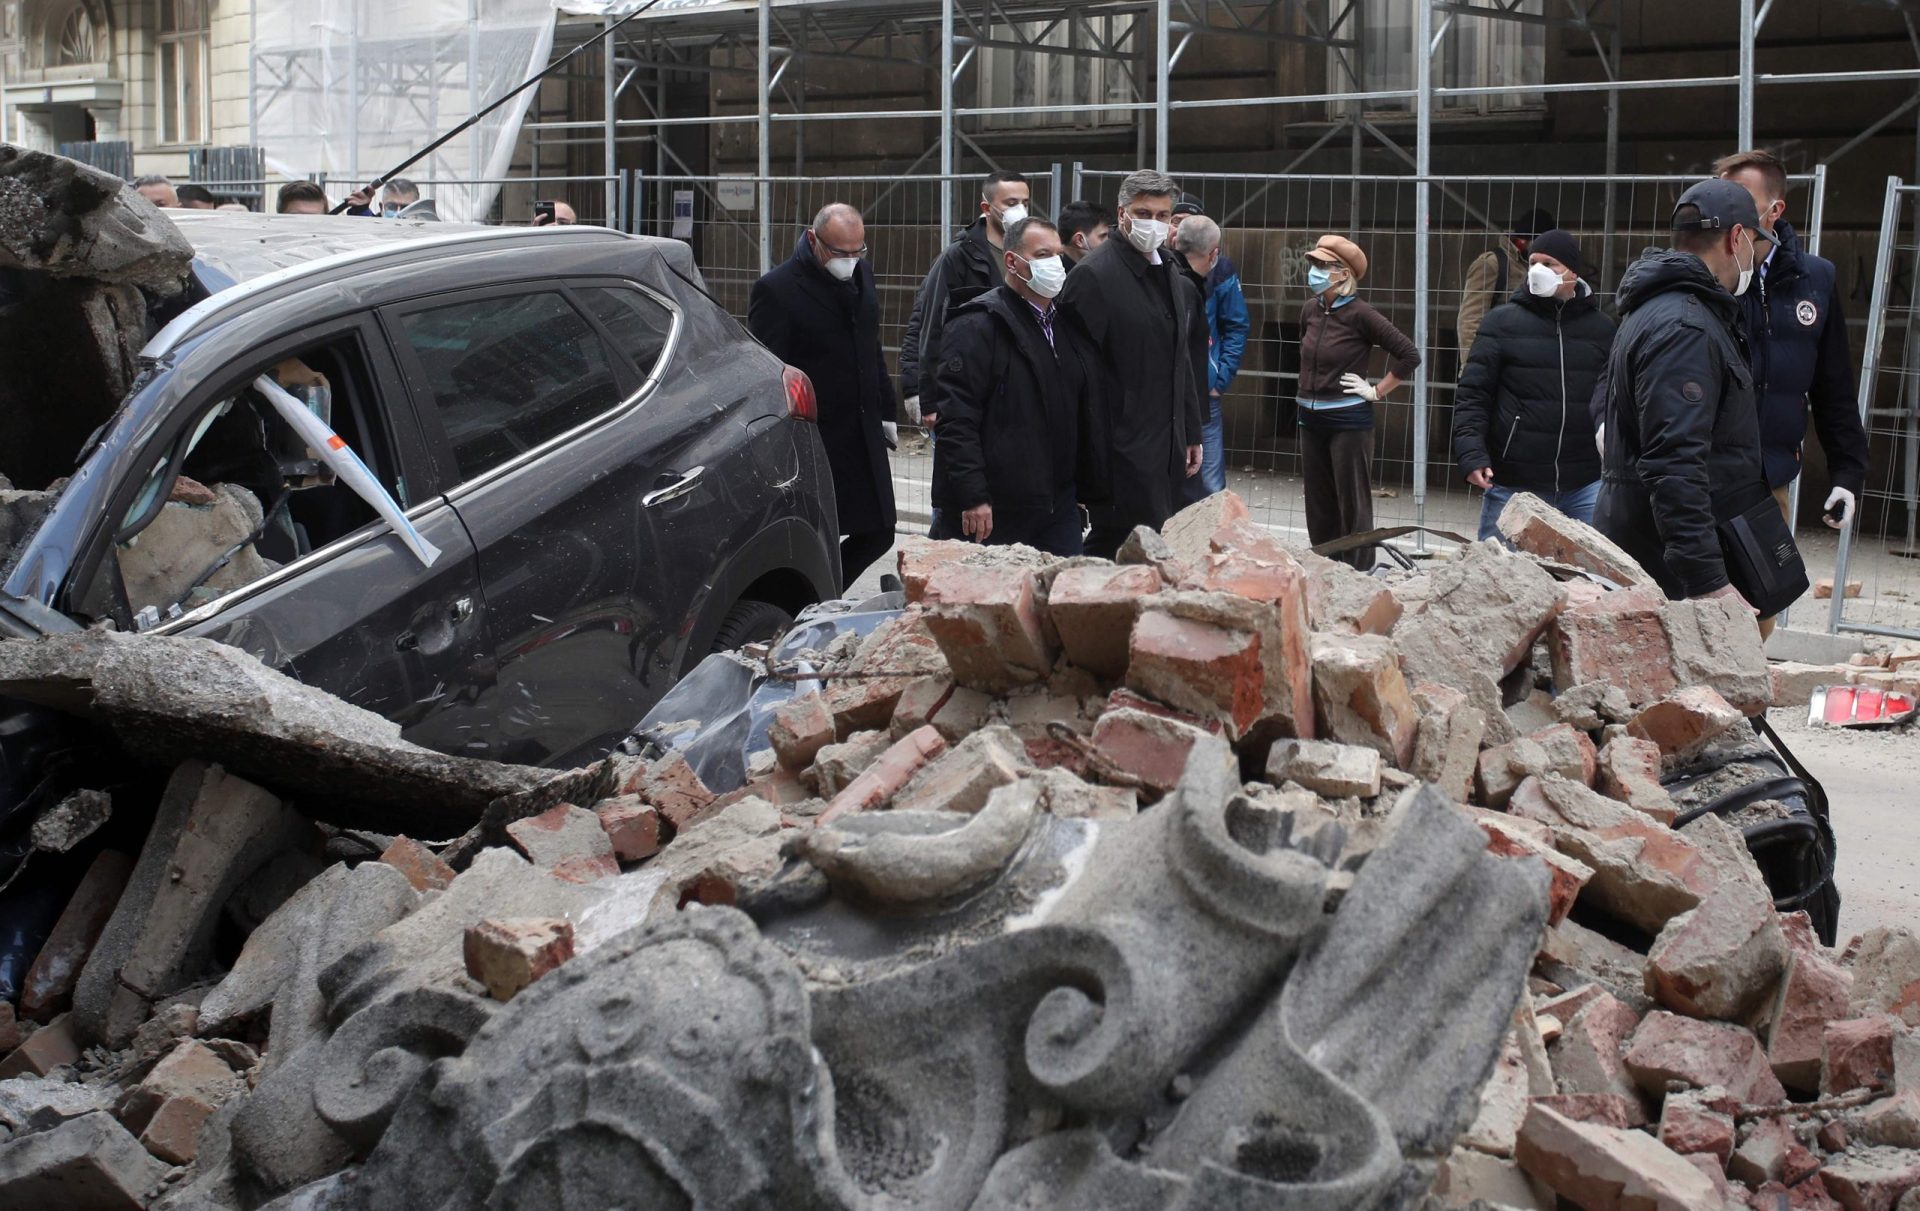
point(1338, 333)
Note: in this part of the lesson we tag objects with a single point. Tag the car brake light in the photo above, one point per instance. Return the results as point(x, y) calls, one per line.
point(801, 404)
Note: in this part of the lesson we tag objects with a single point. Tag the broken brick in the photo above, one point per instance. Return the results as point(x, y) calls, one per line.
point(918, 558)
point(506, 956)
point(52, 1046)
point(1361, 695)
point(1769, 1152)
point(1094, 607)
point(1812, 993)
point(422, 867)
point(1872, 1179)
point(1566, 876)
point(1536, 527)
point(1557, 750)
point(50, 981)
point(191, 1071)
point(839, 764)
point(1189, 532)
point(672, 787)
point(173, 1133)
point(1892, 1122)
point(1326, 768)
point(962, 778)
point(1621, 639)
point(1608, 1169)
point(1857, 1054)
point(1718, 960)
point(1716, 643)
point(1628, 769)
point(632, 827)
point(1643, 873)
point(987, 623)
point(1886, 974)
point(1342, 600)
point(566, 842)
point(801, 727)
point(1196, 666)
point(1605, 1109)
point(1689, 1125)
point(890, 771)
point(1446, 749)
point(1685, 721)
point(89, 1162)
point(1668, 1047)
point(1589, 1055)
point(1146, 747)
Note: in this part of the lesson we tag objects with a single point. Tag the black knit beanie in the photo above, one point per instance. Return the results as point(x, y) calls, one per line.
point(1561, 246)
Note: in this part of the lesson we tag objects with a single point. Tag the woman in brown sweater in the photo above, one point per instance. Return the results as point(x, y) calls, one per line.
point(1338, 334)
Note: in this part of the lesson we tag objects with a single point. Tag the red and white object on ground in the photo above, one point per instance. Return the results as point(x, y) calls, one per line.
point(1859, 706)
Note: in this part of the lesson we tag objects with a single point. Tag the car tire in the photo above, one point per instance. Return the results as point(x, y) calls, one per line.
point(749, 622)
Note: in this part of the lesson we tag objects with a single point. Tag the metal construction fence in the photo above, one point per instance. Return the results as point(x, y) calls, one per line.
point(1881, 550)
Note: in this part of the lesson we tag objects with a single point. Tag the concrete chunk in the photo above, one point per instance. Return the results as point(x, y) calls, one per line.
point(1668, 1047)
point(1361, 696)
point(1607, 1169)
point(1686, 721)
point(1094, 607)
point(987, 623)
point(1536, 527)
point(89, 1163)
point(49, 985)
point(1326, 768)
point(506, 956)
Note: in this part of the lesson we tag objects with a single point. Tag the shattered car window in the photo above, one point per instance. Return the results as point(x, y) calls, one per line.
point(508, 373)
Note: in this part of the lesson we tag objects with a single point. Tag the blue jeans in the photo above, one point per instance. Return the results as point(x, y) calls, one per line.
point(1576, 503)
point(1213, 462)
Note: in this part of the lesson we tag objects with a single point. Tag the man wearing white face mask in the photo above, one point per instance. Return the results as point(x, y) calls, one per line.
point(1020, 446)
point(1520, 418)
point(1149, 328)
point(965, 268)
point(1682, 438)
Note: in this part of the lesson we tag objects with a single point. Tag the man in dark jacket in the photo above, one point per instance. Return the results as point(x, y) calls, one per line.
point(1520, 419)
point(965, 268)
point(1197, 243)
point(1020, 425)
point(1800, 353)
point(818, 313)
point(1149, 329)
point(1682, 436)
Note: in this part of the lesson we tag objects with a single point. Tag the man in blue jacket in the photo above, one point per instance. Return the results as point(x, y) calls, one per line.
point(1801, 362)
point(1197, 240)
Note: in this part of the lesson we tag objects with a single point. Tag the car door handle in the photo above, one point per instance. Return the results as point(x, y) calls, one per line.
point(673, 491)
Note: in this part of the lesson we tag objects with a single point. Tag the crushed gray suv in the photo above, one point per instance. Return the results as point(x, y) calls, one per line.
point(501, 486)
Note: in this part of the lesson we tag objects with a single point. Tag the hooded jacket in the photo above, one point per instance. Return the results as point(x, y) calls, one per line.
point(1021, 420)
point(1683, 437)
point(1801, 358)
point(1521, 406)
point(962, 271)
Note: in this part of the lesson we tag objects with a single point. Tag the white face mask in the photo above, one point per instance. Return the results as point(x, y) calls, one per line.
point(1542, 281)
point(1046, 275)
point(1146, 234)
point(842, 267)
point(1012, 214)
point(1746, 275)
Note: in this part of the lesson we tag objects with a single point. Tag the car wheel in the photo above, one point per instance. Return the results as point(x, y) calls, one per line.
point(749, 622)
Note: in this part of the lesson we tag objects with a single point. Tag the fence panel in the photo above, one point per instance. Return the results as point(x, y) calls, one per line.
point(1882, 548)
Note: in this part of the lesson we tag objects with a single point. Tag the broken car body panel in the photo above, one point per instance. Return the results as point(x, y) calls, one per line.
point(581, 574)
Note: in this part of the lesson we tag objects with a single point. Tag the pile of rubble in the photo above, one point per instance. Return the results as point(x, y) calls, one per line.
point(1220, 876)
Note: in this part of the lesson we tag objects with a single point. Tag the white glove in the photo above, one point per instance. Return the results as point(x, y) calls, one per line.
point(913, 409)
point(890, 433)
point(1600, 439)
point(1353, 384)
point(1843, 498)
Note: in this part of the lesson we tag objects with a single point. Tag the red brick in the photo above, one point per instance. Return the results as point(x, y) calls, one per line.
point(52, 1046)
point(891, 771)
point(50, 981)
point(1668, 1047)
point(1886, 975)
point(1685, 721)
point(1769, 1152)
point(190, 1071)
point(1566, 875)
point(672, 786)
point(506, 956)
point(1325, 768)
point(1190, 531)
point(1589, 1056)
point(633, 827)
point(1857, 1054)
point(1210, 670)
point(1721, 959)
point(918, 558)
point(1643, 872)
point(1538, 528)
point(1147, 747)
point(962, 779)
point(1360, 695)
point(1446, 749)
point(1094, 608)
point(987, 623)
point(567, 842)
point(1871, 1179)
point(1812, 993)
point(1556, 749)
point(1688, 1125)
point(1628, 769)
point(422, 867)
point(1620, 638)
point(9, 1028)
point(173, 1133)
point(1810, 1195)
point(1603, 1109)
point(801, 727)
point(1608, 1169)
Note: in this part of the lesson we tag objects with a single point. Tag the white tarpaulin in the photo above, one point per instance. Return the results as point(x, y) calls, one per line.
point(351, 88)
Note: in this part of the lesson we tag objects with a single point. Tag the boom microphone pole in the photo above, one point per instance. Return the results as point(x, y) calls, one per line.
point(523, 86)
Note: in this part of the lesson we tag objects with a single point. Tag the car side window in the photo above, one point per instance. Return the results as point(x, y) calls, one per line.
point(639, 323)
point(509, 372)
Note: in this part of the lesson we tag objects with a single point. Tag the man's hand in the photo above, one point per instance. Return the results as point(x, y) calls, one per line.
point(977, 523)
point(1481, 479)
point(1353, 384)
point(1843, 499)
point(1728, 591)
point(913, 411)
point(1600, 439)
point(361, 197)
point(1195, 456)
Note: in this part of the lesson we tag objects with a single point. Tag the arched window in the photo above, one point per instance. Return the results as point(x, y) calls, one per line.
point(73, 39)
point(182, 111)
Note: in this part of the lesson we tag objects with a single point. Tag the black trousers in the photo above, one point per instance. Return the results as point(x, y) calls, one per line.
point(858, 551)
point(1338, 467)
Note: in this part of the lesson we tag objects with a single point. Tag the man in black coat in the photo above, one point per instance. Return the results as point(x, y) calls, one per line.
point(965, 268)
point(1020, 426)
point(1682, 440)
point(1801, 361)
point(1520, 418)
point(1149, 328)
point(818, 313)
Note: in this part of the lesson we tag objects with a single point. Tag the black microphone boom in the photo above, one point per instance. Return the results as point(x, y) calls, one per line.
point(523, 86)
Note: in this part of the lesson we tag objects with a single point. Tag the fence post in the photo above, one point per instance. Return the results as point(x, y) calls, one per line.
point(1163, 72)
point(609, 97)
point(1869, 366)
point(765, 127)
point(1053, 199)
point(1079, 172)
point(1422, 250)
point(946, 119)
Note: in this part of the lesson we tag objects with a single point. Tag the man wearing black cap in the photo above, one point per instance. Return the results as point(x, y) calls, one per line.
point(1520, 418)
point(1494, 274)
point(1682, 440)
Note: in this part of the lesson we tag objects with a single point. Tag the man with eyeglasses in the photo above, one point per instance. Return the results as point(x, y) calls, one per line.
point(1021, 429)
point(819, 313)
